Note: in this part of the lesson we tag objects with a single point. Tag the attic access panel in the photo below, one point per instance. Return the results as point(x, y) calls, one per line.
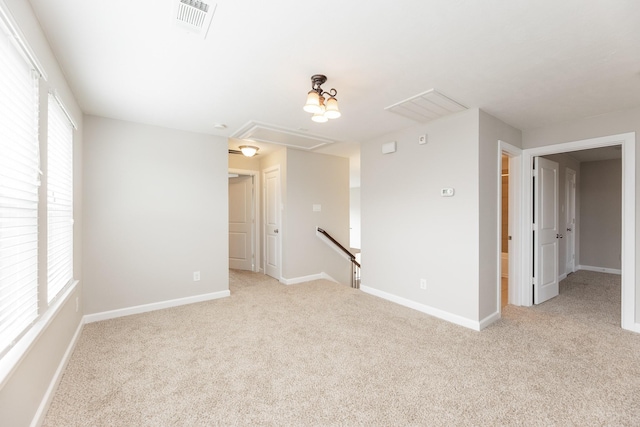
point(262, 132)
point(426, 106)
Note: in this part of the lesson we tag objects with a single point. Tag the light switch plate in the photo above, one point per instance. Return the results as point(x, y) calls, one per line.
point(422, 139)
point(447, 192)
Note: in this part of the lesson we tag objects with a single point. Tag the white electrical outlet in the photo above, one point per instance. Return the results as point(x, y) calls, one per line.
point(196, 276)
point(423, 283)
point(422, 139)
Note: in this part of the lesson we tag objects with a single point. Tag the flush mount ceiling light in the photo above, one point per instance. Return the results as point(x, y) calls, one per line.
point(322, 109)
point(248, 150)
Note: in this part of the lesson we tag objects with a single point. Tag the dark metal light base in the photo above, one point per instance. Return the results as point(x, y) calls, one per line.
point(318, 80)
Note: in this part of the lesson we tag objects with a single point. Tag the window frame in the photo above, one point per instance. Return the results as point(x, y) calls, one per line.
point(59, 194)
point(19, 192)
point(11, 357)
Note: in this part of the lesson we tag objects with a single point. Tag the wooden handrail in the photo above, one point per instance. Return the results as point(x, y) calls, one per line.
point(342, 248)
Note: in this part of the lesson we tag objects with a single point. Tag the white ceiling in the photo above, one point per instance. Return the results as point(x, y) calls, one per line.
point(529, 63)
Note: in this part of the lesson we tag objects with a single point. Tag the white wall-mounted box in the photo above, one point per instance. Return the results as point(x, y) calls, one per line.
point(389, 147)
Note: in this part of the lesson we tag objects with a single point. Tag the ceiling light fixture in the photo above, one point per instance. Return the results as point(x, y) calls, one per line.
point(248, 150)
point(322, 111)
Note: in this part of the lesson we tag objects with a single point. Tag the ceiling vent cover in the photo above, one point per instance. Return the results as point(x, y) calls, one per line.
point(194, 16)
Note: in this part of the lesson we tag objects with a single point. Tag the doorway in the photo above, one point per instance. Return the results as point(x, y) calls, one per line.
point(244, 239)
point(570, 220)
point(509, 217)
point(504, 232)
point(272, 222)
point(628, 293)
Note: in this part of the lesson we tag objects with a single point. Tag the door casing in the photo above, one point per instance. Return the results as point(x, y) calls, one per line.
point(515, 208)
point(627, 141)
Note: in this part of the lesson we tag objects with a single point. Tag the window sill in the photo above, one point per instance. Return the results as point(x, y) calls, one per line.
point(14, 356)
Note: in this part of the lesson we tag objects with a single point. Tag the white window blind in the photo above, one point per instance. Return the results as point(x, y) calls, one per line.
point(19, 182)
point(59, 199)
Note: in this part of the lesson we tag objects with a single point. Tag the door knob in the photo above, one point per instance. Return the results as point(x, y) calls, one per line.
point(568, 229)
point(559, 236)
point(275, 231)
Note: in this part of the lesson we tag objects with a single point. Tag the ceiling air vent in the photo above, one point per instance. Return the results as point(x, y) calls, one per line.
point(194, 16)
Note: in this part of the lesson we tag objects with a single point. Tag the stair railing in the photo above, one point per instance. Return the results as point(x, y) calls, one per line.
point(355, 265)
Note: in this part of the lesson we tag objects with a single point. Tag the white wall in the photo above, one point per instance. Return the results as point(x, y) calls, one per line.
point(23, 393)
point(601, 213)
point(238, 161)
point(156, 210)
point(409, 231)
point(491, 131)
point(592, 127)
point(354, 218)
point(308, 178)
point(320, 179)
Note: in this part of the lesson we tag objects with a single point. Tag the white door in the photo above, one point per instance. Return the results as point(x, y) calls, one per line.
point(241, 254)
point(571, 221)
point(272, 223)
point(545, 202)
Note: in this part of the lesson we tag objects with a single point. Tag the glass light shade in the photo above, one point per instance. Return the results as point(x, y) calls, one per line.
point(331, 109)
point(313, 103)
point(319, 118)
point(248, 150)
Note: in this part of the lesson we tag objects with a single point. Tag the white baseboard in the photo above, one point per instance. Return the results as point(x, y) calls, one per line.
point(435, 312)
point(112, 314)
point(599, 269)
point(38, 418)
point(489, 320)
point(562, 276)
point(309, 278)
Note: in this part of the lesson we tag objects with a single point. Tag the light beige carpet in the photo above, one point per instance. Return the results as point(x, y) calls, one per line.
point(323, 354)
